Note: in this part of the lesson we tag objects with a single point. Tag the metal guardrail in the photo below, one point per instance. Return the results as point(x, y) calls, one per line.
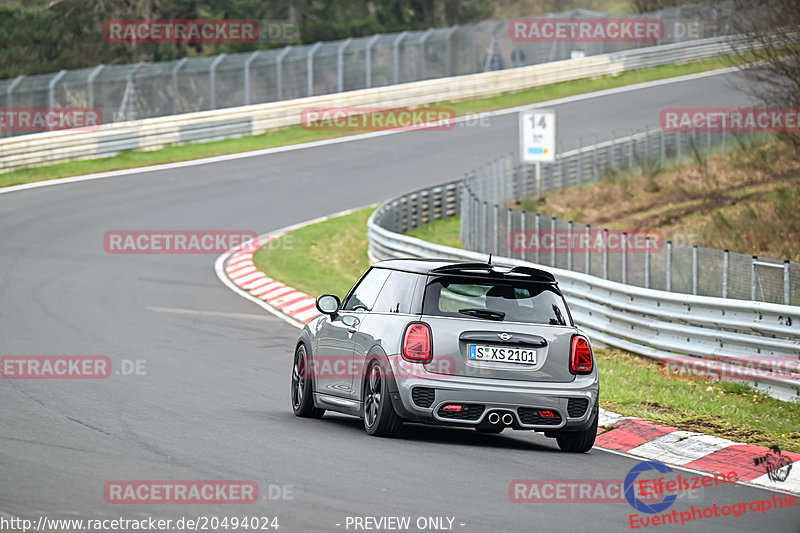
point(189, 85)
point(665, 326)
point(490, 223)
point(150, 134)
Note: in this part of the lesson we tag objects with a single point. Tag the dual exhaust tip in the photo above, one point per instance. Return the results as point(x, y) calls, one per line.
point(495, 418)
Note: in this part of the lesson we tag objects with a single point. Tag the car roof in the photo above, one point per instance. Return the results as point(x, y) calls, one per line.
point(484, 270)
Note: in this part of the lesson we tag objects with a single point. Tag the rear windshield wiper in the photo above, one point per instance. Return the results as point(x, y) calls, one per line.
point(491, 314)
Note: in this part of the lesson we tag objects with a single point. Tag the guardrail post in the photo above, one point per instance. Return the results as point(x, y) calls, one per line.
point(753, 277)
point(595, 171)
point(611, 163)
point(90, 85)
point(630, 151)
point(340, 64)
point(368, 69)
point(580, 162)
point(647, 262)
point(396, 56)
point(496, 247)
point(524, 233)
point(247, 63)
point(786, 292)
point(212, 81)
point(508, 231)
point(678, 153)
point(175, 70)
point(624, 258)
point(538, 237)
point(279, 70)
point(668, 271)
point(605, 254)
point(663, 149)
point(552, 241)
point(569, 245)
point(694, 270)
point(310, 68)
point(726, 258)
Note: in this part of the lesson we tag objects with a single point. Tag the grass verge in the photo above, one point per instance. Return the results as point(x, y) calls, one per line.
point(329, 257)
point(296, 134)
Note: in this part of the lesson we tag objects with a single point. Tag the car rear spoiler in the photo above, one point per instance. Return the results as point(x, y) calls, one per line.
point(487, 269)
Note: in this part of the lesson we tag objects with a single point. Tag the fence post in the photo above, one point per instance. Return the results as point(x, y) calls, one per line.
point(605, 254)
point(612, 166)
point(786, 291)
point(694, 270)
point(279, 69)
point(588, 247)
point(538, 237)
point(508, 231)
point(10, 95)
point(485, 230)
point(624, 258)
point(51, 88)
point(726, 257)
point(368, 69)
point(753, 277)
point(247, 63)
point(552, 241)
point(522, 227)
point(595, 172)
point(90, 84)
point(678, 153)
point(212, 81)
point(175, 70)
point(668, 281)
point(449, 49)
point(663, 150)
point(569, 245)
point(310, 68)
point(396, 56)
point(630, 151)
point(423, 65)
point(340, 63)
point(496, 222)
point(647, 262)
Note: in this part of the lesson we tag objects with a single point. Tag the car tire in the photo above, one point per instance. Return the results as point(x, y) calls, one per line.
point(380, 418)
point(301, 390)
point(579, 441)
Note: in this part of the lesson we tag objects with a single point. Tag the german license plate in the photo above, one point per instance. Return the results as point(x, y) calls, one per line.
point(478, 352)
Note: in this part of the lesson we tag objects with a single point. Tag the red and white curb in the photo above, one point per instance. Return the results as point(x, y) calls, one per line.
point(630, 436)
point(696, 451)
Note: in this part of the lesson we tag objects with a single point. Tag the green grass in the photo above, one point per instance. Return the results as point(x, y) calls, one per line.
point(329, 257)
point(296, 134)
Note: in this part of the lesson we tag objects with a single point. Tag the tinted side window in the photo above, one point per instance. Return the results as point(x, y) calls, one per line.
point(396, 294)
point(364, 296)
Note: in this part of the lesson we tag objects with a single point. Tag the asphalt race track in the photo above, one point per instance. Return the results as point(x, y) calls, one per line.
point(213, 400)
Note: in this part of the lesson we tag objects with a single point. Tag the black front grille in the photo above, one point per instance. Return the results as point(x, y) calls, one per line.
point(531, 416)
point(576, 407)
point(423, 396)
point(469, 411)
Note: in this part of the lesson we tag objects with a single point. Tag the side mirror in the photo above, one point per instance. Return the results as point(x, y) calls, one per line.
point(328, 304)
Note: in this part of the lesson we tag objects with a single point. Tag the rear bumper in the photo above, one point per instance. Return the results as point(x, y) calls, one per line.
point(501, 396)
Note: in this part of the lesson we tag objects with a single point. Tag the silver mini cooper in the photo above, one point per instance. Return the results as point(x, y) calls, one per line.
point(446, 343)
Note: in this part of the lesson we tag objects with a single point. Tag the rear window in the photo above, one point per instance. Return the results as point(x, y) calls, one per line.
point(501, 300)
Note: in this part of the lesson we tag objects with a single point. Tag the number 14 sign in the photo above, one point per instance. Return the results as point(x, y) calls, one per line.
point(537, 134)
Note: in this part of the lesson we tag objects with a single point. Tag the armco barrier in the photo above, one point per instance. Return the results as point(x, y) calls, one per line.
point(150, 134)
point(660, 325)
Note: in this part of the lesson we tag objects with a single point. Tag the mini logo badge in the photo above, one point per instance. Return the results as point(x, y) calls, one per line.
point(504, 336)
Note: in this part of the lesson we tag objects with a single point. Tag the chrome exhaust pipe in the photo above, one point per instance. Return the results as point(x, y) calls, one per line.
point(508, 419)
point(494, 418)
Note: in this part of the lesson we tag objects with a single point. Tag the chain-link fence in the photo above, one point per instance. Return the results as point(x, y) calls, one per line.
point(143, 90)
point(488, 225)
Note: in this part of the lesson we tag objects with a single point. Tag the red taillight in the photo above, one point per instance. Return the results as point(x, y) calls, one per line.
point(452, 408)
point(581, 360)
point(547, 414)
point(417, 343)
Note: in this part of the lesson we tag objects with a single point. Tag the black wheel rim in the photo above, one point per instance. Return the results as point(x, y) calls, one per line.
point(372, 401)
point(298, 378)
